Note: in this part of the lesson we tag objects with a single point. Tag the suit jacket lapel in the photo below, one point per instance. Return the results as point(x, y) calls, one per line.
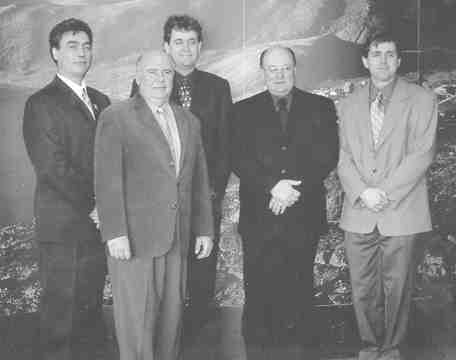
point(362, 113)
point(182, 127)
point(393, 111)
point(145, 116)
point(74, 100)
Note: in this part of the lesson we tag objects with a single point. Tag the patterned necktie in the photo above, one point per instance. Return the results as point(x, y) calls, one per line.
point(164, 120)
point(184, 93)
point(86, 99)
point(283, 113)
point(377, 114)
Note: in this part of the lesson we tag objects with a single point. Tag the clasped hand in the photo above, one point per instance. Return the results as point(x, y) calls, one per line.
point(374, 199)
point(284, 195)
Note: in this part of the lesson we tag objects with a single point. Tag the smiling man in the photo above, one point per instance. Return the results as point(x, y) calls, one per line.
point(387, 132)
point(59, 132)
point(152, 188)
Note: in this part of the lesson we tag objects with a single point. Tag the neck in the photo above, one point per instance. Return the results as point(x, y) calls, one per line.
point(76, 79)
point(185, 71)
point(153, 103)
point(381, 84)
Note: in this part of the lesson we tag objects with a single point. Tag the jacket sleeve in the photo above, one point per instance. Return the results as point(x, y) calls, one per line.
point(349, 176)
point(109, 180)
point(244, 164)
point(325, 147)
point(421, 151)
point(202, 216)
point(45, 140)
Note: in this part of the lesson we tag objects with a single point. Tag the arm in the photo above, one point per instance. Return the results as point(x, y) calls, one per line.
point(349, 176)
point(45, 142)
point(412, 168)
point(223, 130)
point(109, 187)
point(243, 161)
point(202, 218)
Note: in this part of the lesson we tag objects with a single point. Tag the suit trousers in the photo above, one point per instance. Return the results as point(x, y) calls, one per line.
point(382, 272)
point(72, 278)
point(148, 298)
point(278, 283)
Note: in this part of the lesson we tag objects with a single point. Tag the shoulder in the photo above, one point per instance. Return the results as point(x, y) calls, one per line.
point(215, 81)
point(47, 94)
point(254, 100)
point(305, 97)
point(419, 94)
point(98, 94)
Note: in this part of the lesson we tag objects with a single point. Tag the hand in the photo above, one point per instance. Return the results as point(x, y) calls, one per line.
point(203, 246)
point(374, 199)
point(94, 216)
point(277, 206)
point(285, 192)
point(119, 248)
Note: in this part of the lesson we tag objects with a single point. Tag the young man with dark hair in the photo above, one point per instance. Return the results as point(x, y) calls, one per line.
point(59, 131)
point(387, 137)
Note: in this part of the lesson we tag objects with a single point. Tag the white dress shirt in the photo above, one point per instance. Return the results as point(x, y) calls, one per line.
point(78, 90)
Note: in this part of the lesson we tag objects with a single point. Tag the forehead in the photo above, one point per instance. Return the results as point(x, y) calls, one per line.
point(78, 36)
point(278, 57)
point(156, 61)
point(183, 34)
point(386, 46)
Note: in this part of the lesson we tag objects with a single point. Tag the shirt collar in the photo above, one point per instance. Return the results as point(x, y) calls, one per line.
point(387, 91)
point(78, 89)
point(288, 98)
point(189, 77)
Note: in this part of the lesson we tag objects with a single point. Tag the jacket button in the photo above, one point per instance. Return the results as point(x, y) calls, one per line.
point(174, 206)
point(374, 171)
point(283, 147)
point(283, 171)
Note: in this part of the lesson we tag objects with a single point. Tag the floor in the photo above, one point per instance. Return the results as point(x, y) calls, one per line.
point(435, 341)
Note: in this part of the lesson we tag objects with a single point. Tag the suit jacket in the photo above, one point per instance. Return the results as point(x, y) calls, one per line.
point(138, 193)
point(59, 133)
point(263, 155)
point(212, 105)
point(398, 165)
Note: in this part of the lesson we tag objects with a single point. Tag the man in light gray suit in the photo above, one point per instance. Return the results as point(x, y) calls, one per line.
point(152, 187)
point(387, 142)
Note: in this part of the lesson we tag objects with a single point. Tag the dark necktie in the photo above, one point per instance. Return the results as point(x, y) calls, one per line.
point(184, 93)
point(283, 113)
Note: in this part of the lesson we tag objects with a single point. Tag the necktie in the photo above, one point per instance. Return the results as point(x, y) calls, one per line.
point(184, 93)
point(377, 114)
point(164, 120)
point(283, 113)
point(86, 99)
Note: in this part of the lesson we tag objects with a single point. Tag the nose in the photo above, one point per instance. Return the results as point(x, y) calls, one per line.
point(81, 51)
point(280, 73)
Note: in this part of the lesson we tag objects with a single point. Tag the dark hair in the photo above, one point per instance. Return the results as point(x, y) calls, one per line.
point(69, 25)
point(181, 22)
point(381, 37)
point(265, 51)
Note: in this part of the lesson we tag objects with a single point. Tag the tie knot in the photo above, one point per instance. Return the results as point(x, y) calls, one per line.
point(282, 104)
point(160, 110)
point(379, 97)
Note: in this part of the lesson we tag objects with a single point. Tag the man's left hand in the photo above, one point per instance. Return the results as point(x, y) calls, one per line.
point(94, 216)
point(203, 246)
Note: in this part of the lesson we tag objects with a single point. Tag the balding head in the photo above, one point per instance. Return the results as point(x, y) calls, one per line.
point(279, 69)
point(154, 75)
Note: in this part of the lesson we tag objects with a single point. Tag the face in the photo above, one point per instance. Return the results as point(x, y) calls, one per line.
point(382, 62)
point(74, 55)
point(184, 48)
point(155, 77)
point(279, 71)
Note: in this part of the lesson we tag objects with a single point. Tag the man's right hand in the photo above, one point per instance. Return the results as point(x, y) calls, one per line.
point(285, 192)
point(374, 199)
point(119, 248)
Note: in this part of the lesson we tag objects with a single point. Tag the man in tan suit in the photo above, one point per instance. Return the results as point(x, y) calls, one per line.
point(152, 188)
point(387, 142)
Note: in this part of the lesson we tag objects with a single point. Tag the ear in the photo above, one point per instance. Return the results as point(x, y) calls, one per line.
point(166, 47)
point(365, 62)
point(200, 44)
point(54, 52)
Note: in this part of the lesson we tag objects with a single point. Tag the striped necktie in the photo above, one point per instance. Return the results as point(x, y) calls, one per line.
point(377, 115)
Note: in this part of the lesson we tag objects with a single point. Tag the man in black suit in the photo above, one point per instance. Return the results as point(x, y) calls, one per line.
point(285, 144)
point(59, 131)
point(208, 96)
